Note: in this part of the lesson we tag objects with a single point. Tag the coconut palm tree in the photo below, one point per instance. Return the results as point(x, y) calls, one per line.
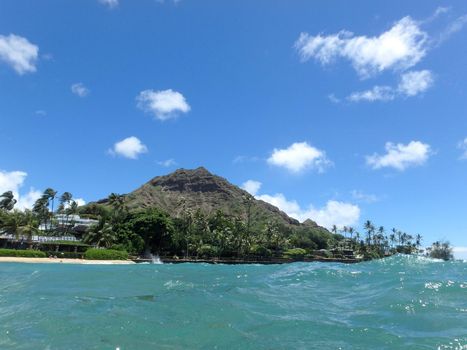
point(351, 232)
point(7, 201)
point(418, 241)
point(392, 239)
point(41, 211)
point(334, 229)
point(117, 201)
point(47, 204)
point(50, 194)
point(12, 222)
point(370, 228)
point(101, 234)
point(28, 227)
point(66, 200)
point(357, 237)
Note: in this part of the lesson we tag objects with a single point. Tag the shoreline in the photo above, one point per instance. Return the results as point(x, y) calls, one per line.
point(64, 261)
point(168, 261)
point(227, 261)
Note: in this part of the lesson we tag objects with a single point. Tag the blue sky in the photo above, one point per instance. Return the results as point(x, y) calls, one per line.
point(335, 111)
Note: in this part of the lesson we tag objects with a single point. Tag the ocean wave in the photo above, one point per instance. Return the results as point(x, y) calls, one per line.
point(399, 302)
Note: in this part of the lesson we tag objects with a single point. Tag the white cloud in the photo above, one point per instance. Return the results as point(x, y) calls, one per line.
point(438, 12)
point(333, 213)
point(251, 186)
point(452, 28)
point(364, 197)
point(415, 82)
point(377, 93)
point(400, 156)
point(164, 104)
point(18, 53)
point(167, 163)
point(291, 208)
point(13, 181)
point(411, 84)
point(131, 148)
point(26, 201)
point(299, 156)
point(79, 89)
point(109, 3)
point(333, 98)
point(400, 47)
point(41, 113)
point(463, 147)
point(80, 201)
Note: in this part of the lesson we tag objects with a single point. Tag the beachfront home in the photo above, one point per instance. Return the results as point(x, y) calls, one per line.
point(73, 223)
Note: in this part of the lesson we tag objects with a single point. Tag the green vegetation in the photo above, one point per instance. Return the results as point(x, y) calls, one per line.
point(440, 250)
point(295, 253)
point(194, 234)
point(194, 214)
point(22, 253)
point(105, 254)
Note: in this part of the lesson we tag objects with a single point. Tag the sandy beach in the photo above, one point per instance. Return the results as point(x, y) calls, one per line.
point(65, 261)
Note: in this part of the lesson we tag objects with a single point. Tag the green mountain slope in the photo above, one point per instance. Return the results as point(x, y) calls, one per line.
point(199, 189)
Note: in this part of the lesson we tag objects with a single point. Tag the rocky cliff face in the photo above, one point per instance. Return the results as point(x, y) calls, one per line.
point(200, 189)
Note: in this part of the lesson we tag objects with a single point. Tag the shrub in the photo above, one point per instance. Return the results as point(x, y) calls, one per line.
point(22, 253)
point(105, 254)
point(208, 251)
point(323, 253)
point(295, 253)
point(260, 250)
point(440, 250)
point(404, 249)
point(371, 255)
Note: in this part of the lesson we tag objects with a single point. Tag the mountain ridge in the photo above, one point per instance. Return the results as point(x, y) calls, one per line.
point(193, 189)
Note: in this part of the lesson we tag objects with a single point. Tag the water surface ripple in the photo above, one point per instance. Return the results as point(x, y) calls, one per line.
point(400, 302)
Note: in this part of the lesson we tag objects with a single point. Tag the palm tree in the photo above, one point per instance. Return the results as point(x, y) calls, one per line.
point(418, 241)
point(369, 227)
point(48, 199)
point(381, 230)
point(334, 229)
point(29, 227)
point(101, 234)
point(12, 222)
point(345, 229)
point(392, 239)
point(351, 232)
point(65, 203)
point(50, 194)
point(7, 201)
point(357, 236)
point(117, 201)
point(41, 211)
point(399, 237)
point(380, 235)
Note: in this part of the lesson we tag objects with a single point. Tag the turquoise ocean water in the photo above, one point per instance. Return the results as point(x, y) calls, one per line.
point(397, 303)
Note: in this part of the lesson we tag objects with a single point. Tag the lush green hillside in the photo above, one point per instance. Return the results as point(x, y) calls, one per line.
point(196, 189)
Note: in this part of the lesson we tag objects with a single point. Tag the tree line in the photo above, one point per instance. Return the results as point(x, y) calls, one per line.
point(196, 234)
